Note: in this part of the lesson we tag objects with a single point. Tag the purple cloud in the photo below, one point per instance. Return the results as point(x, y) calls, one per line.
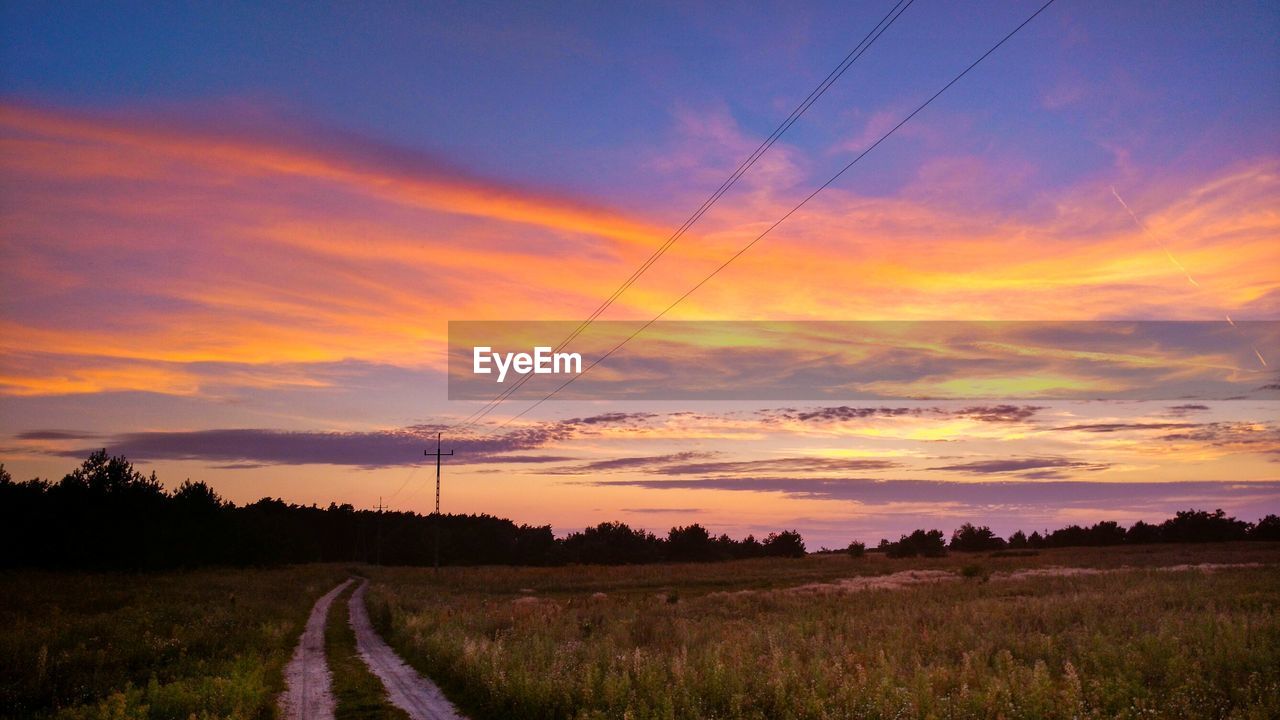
point(1123, 427)
point(1006, 495)
point(844, 413)
point(634, 463)
point(678, 464)
point(56, 435)
point(372, 449)
point(1018, 465)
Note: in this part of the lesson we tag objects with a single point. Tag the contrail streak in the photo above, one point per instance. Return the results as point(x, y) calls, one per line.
point(1145, 231)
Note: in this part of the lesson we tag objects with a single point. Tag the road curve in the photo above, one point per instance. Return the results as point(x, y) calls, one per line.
point(406, 689)
point(308, 691)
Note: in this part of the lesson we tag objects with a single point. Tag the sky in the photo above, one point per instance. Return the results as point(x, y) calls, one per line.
point(233, 237)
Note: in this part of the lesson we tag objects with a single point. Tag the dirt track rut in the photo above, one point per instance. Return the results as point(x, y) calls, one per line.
point(308, 691)
point(406, 689)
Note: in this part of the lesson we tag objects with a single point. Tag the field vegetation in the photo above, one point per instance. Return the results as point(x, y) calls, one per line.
point(116, 646)
point(1119, 632)
point(1172, 630)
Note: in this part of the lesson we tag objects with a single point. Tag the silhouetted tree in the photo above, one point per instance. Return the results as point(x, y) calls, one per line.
point(536, 545)
point(749, 548)
point(928, 543)
point(1141, 533)
point(1107, 532)
point(110, 514)
point(1268, 528)
point(690, 544)
point(612, 543)
point(726, 547)
point(787, 543)
point(1069, 536)
point(968, 538)
point(1201, 526)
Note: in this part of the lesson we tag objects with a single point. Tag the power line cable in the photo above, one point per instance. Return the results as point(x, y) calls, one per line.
point(782, 219)
point(863, 45)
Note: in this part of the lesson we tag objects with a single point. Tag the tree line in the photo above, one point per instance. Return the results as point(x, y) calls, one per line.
point(1184, 526)
point(105, 514)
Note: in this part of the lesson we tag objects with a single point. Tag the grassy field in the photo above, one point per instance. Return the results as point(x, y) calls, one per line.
point(204, 644)
point(1137, 633)
point(983, 639)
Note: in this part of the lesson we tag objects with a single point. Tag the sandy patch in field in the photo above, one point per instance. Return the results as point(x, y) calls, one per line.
point(907, 578)
point(879, 582)
point(1063, 571)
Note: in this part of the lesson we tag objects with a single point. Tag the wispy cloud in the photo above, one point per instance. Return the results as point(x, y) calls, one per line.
point(243, 448)
point(680, 464)
point(1116, 427)
point(846, 413)
point(992, 495)
point(1019, 465)
point(303, 249)
point(633, 463)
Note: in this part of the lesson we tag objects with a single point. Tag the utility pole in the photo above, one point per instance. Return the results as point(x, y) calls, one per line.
point(438, 455)
point(378, 549)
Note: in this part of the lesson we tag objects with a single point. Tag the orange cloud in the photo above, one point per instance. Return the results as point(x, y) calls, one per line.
point(47, 134)
point(135, 251)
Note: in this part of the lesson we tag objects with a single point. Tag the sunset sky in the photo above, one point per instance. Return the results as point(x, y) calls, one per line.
point(233, 237)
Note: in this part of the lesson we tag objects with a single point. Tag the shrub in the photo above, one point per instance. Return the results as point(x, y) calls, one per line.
point(1142, 533)
point(1202, 526)
point(968, 538)
point(691, 544)
point(787, 543)
point(1268, 528)
point(927, 543)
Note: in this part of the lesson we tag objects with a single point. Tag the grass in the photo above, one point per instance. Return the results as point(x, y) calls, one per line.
point(738, 641)
point(757, 639)
point(358, 692)
point(203, 644)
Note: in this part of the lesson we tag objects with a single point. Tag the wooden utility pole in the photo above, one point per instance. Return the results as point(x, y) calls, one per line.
point(438, 455)
point(377, 553)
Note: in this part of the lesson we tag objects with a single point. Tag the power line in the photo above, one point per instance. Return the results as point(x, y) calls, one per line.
point(861, 48)
point(404, 484)
point(742, 168)
point(782, 219)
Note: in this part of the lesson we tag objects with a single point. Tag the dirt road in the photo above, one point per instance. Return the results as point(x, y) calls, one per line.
point(406, 689)
point(307, 694)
